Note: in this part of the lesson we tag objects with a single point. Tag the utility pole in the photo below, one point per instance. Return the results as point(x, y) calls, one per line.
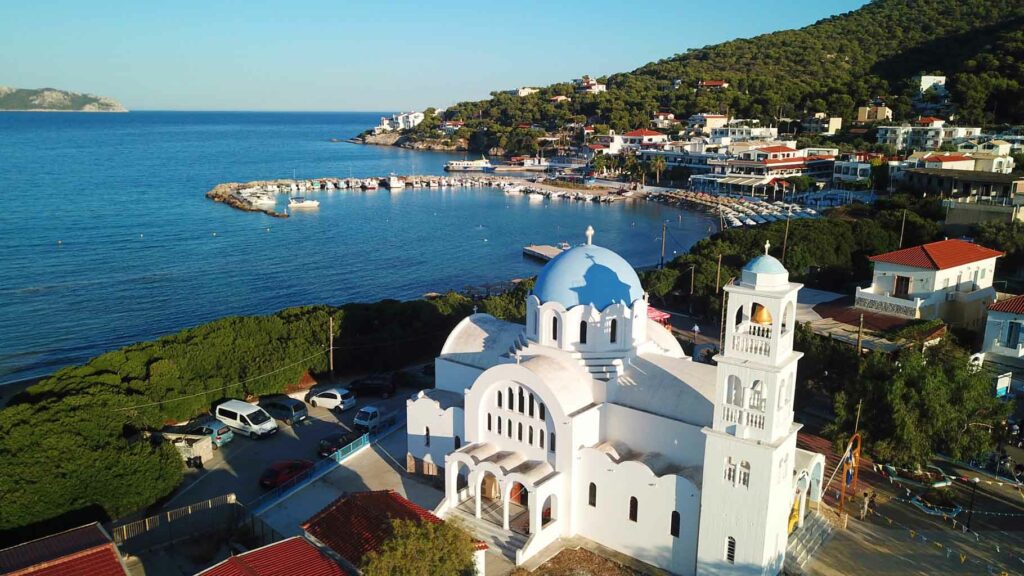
point(330, 346)
point(664, 226)
point(693, 273)
point(903, 226)
point(785, 237)
point(856, 423)
point(718, 277)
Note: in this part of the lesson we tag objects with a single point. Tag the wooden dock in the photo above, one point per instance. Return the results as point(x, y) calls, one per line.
point(543, 252)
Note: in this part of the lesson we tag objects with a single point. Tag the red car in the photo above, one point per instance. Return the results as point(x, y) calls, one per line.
point(280, 472)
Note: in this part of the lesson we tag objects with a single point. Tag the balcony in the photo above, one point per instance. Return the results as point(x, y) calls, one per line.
point(868, 299)
point(753, 339)
point(751, 418)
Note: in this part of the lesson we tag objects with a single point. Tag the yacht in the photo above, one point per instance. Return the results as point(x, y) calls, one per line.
point(370, 184)
point(481, 165)
point(297, 202)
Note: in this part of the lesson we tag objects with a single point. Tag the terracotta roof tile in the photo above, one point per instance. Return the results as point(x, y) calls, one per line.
point(82, 551)
point(292, 556)
point(358, 523)
point(938, 255)
point(1013, 305)
point(777, 149)
point(643, 132)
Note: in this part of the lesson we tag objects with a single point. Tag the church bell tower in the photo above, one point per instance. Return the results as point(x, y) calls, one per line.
point(748, 488)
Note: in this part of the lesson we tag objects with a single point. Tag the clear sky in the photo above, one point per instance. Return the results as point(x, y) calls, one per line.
point(357, 55)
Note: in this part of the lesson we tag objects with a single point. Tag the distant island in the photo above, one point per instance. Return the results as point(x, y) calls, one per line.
point(53, 100)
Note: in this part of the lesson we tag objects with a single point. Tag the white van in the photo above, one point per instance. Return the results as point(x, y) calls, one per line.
point(247, 419)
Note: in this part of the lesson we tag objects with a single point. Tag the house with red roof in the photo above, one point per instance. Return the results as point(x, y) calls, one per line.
point(83, 551)
point(294, 555)
point(712, 84)
point(644, 138)
point(949, 280)
point(360, 522)
point(1003, 345)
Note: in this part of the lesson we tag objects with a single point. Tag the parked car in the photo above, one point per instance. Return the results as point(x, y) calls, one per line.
point(334, 442)
point(219, 433)
point(280, 472)
point(383, 384)
point(285, 409)
point(247, 419)
point(339, 399)
point(371, 419)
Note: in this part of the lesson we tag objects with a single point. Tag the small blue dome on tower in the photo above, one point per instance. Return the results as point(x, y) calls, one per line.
point(765, 264)
point(588, 274)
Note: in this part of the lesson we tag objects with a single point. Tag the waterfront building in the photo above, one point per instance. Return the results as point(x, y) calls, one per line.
point(949, 280)
point(589, 85)
point(850, 168)
point(643, 138)
point(930, 135)
point(591, 422)
point(403, 121)
point(760, 171)
point(523, 91)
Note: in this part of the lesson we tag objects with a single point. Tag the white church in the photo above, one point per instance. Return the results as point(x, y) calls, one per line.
point(590, 421)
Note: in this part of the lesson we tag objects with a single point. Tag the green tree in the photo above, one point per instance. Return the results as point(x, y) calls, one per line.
point(660, 282)
point(657, 164)
point(422, 549)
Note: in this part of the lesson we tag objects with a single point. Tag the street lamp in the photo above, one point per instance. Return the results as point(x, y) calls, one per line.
point(974, 490)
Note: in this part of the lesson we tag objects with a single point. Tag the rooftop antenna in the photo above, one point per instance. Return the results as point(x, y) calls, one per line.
point(590, 235)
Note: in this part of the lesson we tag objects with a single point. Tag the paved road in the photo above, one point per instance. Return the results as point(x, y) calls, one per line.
point(236, 467)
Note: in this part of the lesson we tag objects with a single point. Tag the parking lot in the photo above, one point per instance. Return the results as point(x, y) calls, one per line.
point(236, 466)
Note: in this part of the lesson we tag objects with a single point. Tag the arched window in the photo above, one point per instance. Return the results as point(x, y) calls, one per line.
point(511, 399)
point(499, 398)
point(674, 525)
point(426, 436)
point(458, 442)
point(552, 443)
point(615, 330)
point(734, 391)
point(541, 410)
point(531, 436)
point(730, 550)
point(788, 318)
point(739, 315)
point(745, 473)
point(540, 438)
point(522, 401)
point(532, 402)
point(592, 495)
point(633, 505)
point(554, 328)
point(756, 396)
point(583, 332)
point(509, 423)
point(499, 424)
point(782, 393)
point(488, 422)
point(520, 435)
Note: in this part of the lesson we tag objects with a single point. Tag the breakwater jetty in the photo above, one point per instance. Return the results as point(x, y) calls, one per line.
point(263, 195)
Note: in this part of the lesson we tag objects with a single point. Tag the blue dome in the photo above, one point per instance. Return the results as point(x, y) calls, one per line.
point(588, 274)
point(765, 264)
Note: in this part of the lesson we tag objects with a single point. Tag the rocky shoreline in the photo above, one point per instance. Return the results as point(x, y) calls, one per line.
point(395, 139)
point(229, 193)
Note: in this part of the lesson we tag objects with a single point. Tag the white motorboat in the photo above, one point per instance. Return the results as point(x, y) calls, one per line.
point(395, 183)
point(301, 203)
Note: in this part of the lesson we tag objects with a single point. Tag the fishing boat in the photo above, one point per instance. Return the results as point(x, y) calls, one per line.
point(301, 203)
point(395, 183)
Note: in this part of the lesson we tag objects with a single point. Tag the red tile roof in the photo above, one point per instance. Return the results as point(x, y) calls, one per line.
point(642, 132)
point(713, 82)
point(938, 255)
point(83, 551)
point(358, 523)
point(1013, 305)
point(948, 158)
point(928, 119)
point(777, 149)
point(292, 556)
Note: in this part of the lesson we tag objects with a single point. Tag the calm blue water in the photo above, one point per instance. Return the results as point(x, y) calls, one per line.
point(144, 253)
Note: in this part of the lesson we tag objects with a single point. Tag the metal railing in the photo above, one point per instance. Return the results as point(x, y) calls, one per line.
point(337, 457)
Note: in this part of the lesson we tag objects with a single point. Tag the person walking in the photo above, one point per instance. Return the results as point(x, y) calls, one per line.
point(864, 506)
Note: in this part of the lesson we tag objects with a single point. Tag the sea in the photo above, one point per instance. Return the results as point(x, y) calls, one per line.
point(106, 237)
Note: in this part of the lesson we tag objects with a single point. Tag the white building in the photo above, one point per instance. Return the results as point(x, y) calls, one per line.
point(741, 133)
point(664, 120)
point(523, 91)
point(949, 279)
point(589, 421)
point(1003, 345)
point(936, 83)
point(704, 123)
point(589, 85)
point(928, 136)
point(403, 121)
point(851, 170)
point(644, 138)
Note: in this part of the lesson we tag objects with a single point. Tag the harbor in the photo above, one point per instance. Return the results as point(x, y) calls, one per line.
point(734, 211)
point(263, 195)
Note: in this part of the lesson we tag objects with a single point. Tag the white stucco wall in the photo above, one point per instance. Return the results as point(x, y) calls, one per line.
point(926, 284)
point(681, 443)
point(649, 538)
point(996, 327)
point(444, 425)
point(453, 376)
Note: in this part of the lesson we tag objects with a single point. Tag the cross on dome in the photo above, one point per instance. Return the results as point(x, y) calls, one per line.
point(590, 235)
point(767, 245)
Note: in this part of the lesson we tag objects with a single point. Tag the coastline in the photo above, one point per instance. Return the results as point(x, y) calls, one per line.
point(52, 110)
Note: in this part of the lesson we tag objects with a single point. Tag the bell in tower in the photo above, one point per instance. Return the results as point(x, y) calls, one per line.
point(761, 315)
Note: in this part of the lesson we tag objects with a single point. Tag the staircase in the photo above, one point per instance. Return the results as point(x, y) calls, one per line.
point(504, 542)
point(600, 366)
point(805, 542)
